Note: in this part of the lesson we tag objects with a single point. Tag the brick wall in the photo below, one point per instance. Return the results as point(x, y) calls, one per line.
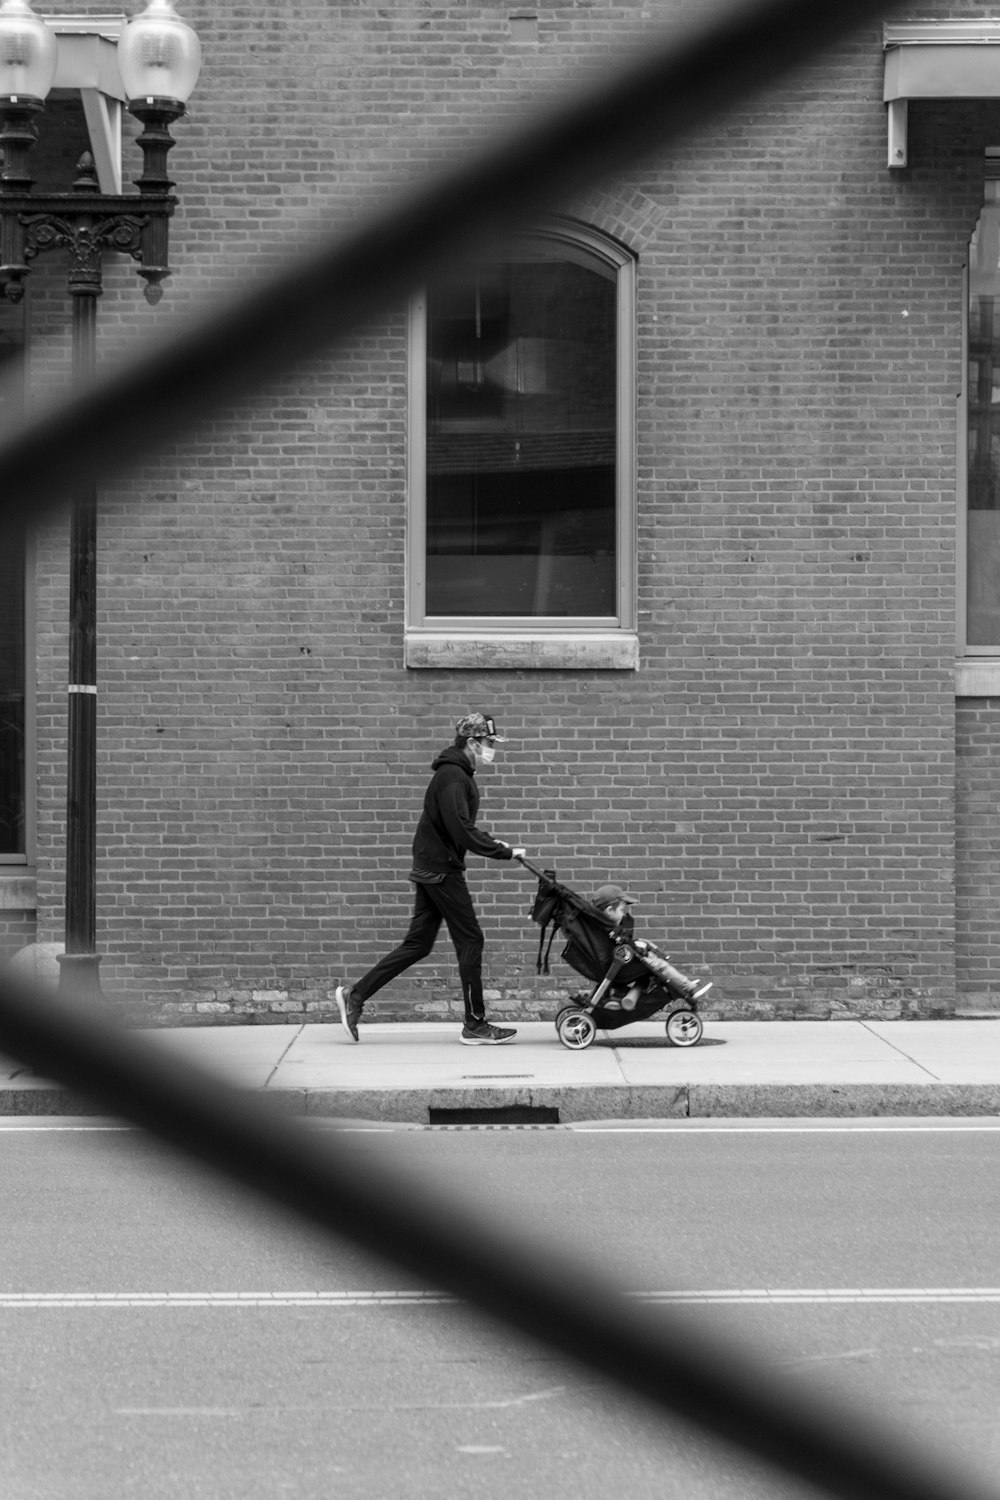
point(776, 782)
point(17, 928)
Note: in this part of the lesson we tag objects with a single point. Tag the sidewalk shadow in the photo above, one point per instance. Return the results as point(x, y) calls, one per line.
point(654, 1041)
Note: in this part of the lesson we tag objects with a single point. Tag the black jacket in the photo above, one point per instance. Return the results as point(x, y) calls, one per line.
point(447, 827)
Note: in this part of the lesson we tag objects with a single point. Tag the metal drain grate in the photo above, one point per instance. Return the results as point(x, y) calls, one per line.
point(479, 1077)
point(502, 1114)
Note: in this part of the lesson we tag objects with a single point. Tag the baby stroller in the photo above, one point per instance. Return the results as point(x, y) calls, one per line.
point(632, 979)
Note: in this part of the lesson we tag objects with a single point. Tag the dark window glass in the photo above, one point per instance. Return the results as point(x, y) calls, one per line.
point(983, 623)
point(522, 439)
point(12, 619)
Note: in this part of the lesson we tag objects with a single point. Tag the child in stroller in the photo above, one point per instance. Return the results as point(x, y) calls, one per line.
point(614, 902)
point(632, 977)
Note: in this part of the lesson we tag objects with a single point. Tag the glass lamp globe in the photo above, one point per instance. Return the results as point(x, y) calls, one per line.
point(159, 55)
point(28, 52)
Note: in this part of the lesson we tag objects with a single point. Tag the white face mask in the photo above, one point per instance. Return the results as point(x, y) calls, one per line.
point(486, 753)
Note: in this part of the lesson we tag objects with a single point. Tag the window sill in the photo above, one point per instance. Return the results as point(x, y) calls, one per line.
point(977, 677)
point(515, 651)
point(17, 889)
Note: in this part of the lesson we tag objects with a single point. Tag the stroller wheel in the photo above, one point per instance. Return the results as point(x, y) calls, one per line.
point(684, 1028)
point(576, 1029)
point(564, 1010)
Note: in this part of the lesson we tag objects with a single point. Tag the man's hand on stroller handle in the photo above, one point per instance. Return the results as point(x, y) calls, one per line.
point(514, 853)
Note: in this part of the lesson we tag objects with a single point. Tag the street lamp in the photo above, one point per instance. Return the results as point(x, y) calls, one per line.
point(159, 58)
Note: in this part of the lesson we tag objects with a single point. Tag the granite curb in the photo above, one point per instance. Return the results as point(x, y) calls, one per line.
point(573, 1105)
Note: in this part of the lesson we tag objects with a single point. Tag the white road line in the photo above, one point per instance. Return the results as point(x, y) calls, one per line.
point(816, 1128)
point(899, 1126)
point(182, 1411)
point(813, 1295)
point(10, 1300)
point(10, 1128)
point(768, 1296)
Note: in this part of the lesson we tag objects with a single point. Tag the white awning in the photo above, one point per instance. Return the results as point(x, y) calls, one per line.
point(88, 63)
point(937, 60)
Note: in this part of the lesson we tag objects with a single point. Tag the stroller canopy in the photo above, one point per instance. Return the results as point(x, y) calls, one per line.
point(588, 932)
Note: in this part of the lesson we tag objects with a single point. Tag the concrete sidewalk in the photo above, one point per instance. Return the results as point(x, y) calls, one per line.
point(419, 1073)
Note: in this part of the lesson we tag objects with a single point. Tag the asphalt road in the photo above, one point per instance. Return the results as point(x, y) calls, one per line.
point(163, 1337)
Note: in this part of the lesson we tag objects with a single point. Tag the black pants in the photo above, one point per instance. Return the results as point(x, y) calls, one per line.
point(450, 903)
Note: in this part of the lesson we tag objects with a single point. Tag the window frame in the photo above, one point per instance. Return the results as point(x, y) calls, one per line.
point(977, 667)
point(520, 641)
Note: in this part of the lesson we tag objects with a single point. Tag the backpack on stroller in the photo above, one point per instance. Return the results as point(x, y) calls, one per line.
point(632, 979)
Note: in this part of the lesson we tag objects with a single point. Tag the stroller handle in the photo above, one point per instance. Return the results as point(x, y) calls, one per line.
point(529, 866)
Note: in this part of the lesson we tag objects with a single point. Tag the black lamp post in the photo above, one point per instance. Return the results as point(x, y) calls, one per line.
point(159, 58)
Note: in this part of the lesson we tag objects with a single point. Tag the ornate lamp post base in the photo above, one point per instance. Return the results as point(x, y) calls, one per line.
point(79, 978)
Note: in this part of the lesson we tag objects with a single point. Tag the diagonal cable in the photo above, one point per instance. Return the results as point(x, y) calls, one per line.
point(562, 1304)
point(666, 91)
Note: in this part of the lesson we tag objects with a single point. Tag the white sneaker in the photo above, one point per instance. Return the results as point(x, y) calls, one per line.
point(485, 1035)
point(350, 1010)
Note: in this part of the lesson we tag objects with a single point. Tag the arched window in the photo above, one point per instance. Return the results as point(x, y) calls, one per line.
point(521, 458)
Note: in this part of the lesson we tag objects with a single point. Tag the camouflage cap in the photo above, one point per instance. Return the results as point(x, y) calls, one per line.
point(609, 894)
point(478, 727)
